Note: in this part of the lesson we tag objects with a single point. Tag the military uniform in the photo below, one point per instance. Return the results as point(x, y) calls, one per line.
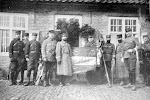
point(24, 65)
point(130, 43)
point(33, 52)
point(48, 52)
point(16, 54)
point(108, 54)
point(145, 58)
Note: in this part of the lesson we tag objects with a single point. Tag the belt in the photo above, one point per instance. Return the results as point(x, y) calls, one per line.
point(33, 51)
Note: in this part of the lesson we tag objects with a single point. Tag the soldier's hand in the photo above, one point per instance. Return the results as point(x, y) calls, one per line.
point(130, 50)
point(122, 59)
point(27, 59)
point(59, 62)
point(44, 59)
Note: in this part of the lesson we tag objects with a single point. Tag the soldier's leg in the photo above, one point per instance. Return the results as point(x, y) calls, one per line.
point(108, 65)
point(12, 73)
point(45, 64)
point(35, 70)
point(24, 66)
point(133, 74)
point(29, 69)
point(127, 65)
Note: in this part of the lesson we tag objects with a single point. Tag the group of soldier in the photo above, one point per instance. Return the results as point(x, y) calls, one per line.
point(126, 54)
point(26, 55)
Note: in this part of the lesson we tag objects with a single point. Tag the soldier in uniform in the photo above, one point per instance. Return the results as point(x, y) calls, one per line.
point(32, 54)
point(108, 53)
point(130, 45)
point(144, 58)
point(24, 66)
point(48, 56)
point(121, 71)
point(16, 55)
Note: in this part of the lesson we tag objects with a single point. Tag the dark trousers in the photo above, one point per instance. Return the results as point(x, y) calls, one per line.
point(62, 79)
point(130, 63)
point(145, 71)
point(14, 69)
point(32, 65)
point(48, 70)
point(108, 65)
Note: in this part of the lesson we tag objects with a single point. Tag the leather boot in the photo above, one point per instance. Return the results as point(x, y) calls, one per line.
point(11, 76)
point(44, 83)
point(28, 82)
point(22, 77)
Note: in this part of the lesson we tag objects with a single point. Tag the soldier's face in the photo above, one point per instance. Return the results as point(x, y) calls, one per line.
point(34, 37)
point(90, 39)
point(128, 34)
point(108, 39)
point(26, 37)
point(145, 39)
point(51, 35)
point(17, 36)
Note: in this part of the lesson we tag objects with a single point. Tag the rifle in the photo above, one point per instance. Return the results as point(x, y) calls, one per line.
point(106, 71)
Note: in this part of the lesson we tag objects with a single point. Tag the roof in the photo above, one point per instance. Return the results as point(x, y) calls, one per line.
point(96, 1)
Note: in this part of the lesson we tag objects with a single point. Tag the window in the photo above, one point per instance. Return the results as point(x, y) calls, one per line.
point(9, 23)
point(59, 19)
point(119, 24)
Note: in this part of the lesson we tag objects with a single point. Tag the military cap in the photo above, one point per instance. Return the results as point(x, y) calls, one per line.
point(128, 30)
point(34, 34)
point(64, 34)
point(26, 34)
point(119, 36)
point(145, 36)
point(108, 36)
point(18, 32)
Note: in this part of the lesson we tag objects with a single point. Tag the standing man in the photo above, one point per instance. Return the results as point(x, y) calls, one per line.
point(121, 71)
point(129, 57)
point(16, 55)
point(24, 66)
point(48, 56)
point(108, 54)
point(32, 53)
point(145, 59)
point(91, 42)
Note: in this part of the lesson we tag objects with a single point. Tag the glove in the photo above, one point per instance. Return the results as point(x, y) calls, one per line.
point(59, 62)
point(122, 59)
point(44, 59)
point(27, 59)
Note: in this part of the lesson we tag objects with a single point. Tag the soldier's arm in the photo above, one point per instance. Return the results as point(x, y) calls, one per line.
point(58, 52)
point(27, 49)
point(11, 49)
point(70, 51)
point(136, 40)
point(43, 49)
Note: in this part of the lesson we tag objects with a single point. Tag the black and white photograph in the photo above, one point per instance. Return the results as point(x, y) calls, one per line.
point(74, 49)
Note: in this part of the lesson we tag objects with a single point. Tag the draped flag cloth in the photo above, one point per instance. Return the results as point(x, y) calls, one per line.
point(83, 59)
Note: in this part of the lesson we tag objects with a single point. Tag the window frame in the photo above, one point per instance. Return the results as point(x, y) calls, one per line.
point(11, 28)
point(123, 24)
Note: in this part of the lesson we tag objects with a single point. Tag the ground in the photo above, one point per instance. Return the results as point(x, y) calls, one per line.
point(73, 92)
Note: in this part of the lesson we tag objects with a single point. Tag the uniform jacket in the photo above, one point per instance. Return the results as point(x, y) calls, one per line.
point(108, 51)
point(48, 49)
point(119, 48)
point(130, 43)
point(33, 50)
point(16, 48)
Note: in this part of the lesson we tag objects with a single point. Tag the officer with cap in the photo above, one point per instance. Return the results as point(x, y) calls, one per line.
point(130, 45)
point(144, 58)
point(108, 53)
point(16, 55)
point(32, 54)
point(24, 66)
point(48, 56)
point(120, 69)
